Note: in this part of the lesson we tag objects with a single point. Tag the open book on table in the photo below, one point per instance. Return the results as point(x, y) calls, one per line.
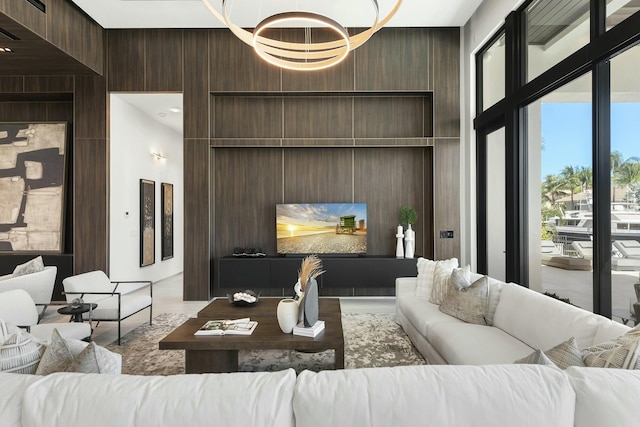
point(244, 326)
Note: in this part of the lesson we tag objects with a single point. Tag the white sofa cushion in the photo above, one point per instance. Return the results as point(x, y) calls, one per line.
point(608, 331)
point(469, 344)
point(422, 314)
point(11, 397)
point(605, 397)
point(494, 396)
point(543, 322)
point(233, 400)
point(108, 306)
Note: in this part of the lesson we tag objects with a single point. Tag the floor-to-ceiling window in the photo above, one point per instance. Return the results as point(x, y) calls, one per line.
point(560, 197)
point(570, 163)
point(625, 182)
point(495, 185)
point(555, 29)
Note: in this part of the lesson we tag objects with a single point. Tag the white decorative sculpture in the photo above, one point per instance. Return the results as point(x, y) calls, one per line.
point(399, 246)
point(410, 241)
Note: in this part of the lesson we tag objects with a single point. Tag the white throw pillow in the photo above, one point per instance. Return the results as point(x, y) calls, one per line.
point(424, 282)
point(32, 266)
point(441, 279)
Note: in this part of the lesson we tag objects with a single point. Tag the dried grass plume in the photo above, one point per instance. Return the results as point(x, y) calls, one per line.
point(310, 269)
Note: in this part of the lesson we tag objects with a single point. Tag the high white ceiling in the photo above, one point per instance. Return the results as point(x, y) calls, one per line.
point(247, 13)
point(158, 106)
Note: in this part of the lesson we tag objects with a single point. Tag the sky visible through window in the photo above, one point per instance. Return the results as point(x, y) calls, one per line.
point(566, 132)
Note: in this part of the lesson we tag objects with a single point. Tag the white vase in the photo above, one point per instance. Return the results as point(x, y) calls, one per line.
point(399, 245)
point(287, 313)
point(410, 241)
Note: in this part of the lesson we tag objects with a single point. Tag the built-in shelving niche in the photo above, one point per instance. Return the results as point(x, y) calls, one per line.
point(271, 148)
point(322, 119)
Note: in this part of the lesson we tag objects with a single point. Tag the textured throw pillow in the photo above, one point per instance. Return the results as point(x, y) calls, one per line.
point(441, 276)
point(565, 354)
point(29, 267)
point(96, 360)
point(465, 272)
point(424, 282)
point(622, 353)
point(466, 301)
point(562, 356)
point(59, 354)
point(495, 289)
point(20, 354)
point(536, 358)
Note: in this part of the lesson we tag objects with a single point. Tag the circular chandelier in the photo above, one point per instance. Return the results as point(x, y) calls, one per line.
point(307, 55)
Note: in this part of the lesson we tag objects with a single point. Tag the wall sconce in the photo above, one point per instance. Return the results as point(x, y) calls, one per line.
point(158, 156)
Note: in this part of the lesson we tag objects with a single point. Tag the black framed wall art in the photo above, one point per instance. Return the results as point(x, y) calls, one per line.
point(147, 222)
point(167, 220)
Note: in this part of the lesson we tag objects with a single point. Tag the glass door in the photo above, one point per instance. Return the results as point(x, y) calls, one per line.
point(495, 204)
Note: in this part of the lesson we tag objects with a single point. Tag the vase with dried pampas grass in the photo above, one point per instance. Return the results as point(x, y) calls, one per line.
point(307, 289)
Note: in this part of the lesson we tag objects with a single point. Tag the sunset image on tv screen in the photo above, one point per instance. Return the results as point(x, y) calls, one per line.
point(322, 228)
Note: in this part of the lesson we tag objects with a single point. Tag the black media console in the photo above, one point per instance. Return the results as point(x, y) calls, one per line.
point(341, 272)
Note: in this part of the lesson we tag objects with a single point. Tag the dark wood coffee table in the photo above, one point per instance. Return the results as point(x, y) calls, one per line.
point(220, 308)
point(205, 354)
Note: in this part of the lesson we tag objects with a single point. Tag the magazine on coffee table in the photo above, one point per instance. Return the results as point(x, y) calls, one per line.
point(244, 326)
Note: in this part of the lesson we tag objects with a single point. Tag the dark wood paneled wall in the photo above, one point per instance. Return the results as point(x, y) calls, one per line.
point(83, 106)
point(91, 175)
point(71, 31)
point(396, 60)
point(446, 191)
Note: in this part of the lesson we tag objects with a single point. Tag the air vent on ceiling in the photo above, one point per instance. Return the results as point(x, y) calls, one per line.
point(39, 5)
point(8, 35)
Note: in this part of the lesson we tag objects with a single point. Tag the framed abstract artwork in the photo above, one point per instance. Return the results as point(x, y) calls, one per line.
point(147, 222)
point(32, 186)
point(167, 220)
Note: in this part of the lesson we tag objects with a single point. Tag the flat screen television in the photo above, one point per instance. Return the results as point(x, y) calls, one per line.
point(321, 228)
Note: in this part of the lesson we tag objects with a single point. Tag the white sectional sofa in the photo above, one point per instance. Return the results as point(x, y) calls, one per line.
point(492, 395)
point(521, 322)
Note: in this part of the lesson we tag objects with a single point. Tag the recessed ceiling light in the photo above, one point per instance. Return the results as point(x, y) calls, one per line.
point(175, 110)
point(6, 49)
point(162, 114)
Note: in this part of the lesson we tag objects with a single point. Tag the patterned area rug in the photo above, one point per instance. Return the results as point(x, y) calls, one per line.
point(371, 340)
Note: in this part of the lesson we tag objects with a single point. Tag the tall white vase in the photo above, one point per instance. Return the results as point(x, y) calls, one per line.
point(399, 245)
point(410, 241)
point(287, 313)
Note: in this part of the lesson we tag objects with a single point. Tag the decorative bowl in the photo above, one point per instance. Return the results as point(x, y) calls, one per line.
point(243, 303)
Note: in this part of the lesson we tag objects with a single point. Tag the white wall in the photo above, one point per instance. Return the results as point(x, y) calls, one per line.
point(134, 135)
point(487, 19)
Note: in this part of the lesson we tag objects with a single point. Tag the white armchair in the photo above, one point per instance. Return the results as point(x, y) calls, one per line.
point(38, 285)
point(17, 307)
point(116, 300)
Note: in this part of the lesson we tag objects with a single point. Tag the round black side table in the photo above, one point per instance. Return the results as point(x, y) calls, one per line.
point(77, 312)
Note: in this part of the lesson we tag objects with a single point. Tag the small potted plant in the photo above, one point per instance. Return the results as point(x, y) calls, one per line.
point(408, 216)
